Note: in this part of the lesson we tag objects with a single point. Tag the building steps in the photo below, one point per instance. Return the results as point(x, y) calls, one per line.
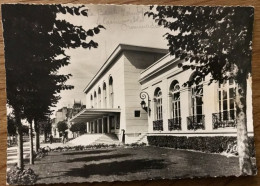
point(142, 139)
point(107, 139)
point(93, 139)
point(85, 139)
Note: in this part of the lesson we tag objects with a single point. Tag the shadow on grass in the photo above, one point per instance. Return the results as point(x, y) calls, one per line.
point(87, 152)
point(97, 158)
point(116, 168)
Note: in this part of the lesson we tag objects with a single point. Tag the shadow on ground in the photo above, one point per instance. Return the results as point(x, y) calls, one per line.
point(116, 168)
point(97, 158)
point(87, 152)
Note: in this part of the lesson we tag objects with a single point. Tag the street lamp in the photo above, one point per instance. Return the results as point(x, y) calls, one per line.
point(143, 96)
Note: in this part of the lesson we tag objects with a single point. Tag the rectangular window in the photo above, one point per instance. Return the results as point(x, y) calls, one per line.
point(137, 113)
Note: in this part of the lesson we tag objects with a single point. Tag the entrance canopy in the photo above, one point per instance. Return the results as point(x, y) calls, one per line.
point(93, 113)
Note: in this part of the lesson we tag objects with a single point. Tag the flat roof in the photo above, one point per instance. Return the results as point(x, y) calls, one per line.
point(93, 113)
point(118, 50)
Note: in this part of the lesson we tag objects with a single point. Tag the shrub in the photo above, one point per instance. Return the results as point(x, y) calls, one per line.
point(86, 147)
point(16, 176)
point(216, 144)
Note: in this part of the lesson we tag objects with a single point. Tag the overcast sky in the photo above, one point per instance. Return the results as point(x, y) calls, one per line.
point(124, 24)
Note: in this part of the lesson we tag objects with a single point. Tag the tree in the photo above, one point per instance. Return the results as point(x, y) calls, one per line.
point(45, 128)
point(39, 40)
point(11, 126)
point(62, 126)
point(11, 129)
point(78, 127)
point(215, 42)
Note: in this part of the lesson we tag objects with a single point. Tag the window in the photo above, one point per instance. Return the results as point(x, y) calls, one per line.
point(104, 95)
point(197, 101)
point(95, 99)
point(174, 122)
point(111, 93)
point(137, 113)
point(91, 101)
point(158, 122)
point(99, 97)
point(196, 120)
point(226, 105)
point(158, 107)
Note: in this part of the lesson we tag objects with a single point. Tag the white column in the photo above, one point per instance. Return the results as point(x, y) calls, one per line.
point(185, 107)
point(209, 102)
point(87, 124)
point(102, 123)
point(165, 109)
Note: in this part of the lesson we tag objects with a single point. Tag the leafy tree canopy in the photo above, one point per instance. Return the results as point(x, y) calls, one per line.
point(62, 126)
point(78, 127)
point(212, 40)
point(35, 43)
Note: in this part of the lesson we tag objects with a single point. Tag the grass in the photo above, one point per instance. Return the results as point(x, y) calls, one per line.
point(126, 164)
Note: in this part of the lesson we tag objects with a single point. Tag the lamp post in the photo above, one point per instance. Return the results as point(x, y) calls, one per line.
point(143, 96)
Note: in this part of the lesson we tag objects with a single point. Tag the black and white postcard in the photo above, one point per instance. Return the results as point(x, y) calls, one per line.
point(103, 93)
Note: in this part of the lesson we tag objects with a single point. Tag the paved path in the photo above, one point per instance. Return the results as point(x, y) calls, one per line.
point(12, 151)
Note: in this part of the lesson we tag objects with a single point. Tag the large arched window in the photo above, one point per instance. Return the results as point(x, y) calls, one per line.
point(111, 93)
point(174, 123)
point(95, 99)
point(226, 105)
point(91, 101)
point(99, 97)
point(104, 95)
point(158, 122)
point(196, 120)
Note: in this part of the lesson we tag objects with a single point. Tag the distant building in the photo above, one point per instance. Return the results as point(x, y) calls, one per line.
point(64, 114)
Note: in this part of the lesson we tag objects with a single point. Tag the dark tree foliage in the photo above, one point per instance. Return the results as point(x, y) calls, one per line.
point(62, 126)
point(34, 51)
point(45, 127)
point(215, 42)
point(35, 43)
point(25, 129)
point(11, 126)
point(78, 127)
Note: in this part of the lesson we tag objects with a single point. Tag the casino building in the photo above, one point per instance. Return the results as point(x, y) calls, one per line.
point(112, 96)
point(133, 75)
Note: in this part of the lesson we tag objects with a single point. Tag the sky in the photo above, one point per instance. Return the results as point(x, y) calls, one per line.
point(124, 24)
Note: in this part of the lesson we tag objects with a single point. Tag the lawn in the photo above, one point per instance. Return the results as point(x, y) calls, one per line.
point(131, 164)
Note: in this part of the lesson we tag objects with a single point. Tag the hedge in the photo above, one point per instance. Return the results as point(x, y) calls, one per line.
point(215, 144)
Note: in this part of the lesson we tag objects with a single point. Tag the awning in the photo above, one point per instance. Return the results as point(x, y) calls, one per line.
point(93, 113)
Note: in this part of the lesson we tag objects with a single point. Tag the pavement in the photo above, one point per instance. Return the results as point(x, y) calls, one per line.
point(12, 151)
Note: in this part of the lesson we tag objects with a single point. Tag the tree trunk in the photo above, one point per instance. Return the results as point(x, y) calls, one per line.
point(20, 162)
point(245, 163)
point(37, 135)
point(31, 143)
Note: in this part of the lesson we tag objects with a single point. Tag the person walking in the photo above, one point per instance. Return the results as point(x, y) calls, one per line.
point(51, 138)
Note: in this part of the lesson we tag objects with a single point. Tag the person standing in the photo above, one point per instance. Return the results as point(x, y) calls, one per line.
point(51, 138)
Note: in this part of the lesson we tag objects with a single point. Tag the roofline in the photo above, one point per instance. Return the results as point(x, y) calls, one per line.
point(93, 110)
point(118, 50)
point(158, 61)
point(161, 67)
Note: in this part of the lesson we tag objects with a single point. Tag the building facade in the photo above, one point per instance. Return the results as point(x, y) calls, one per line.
point(134, 75)
point(200, 110)
point(112, 96)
